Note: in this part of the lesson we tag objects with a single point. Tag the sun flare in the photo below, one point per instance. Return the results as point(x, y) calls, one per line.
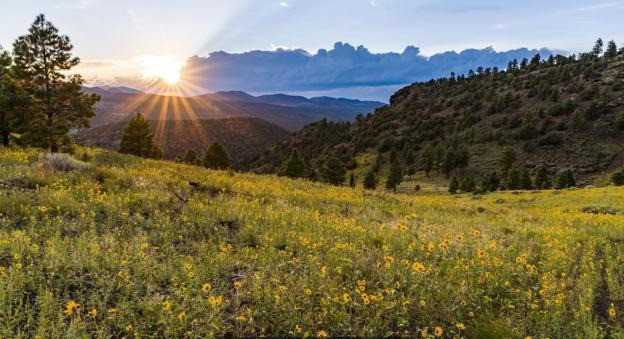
point(166, 68)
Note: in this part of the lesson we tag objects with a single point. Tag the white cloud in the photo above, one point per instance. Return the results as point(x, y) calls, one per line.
point(373, 3)
point(284, 4)
point(501, 26)
point(600, 6)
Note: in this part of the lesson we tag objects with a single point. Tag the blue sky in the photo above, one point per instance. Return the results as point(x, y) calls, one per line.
point(122, 30)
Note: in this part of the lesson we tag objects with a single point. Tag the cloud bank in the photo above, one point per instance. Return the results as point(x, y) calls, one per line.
point(344, 66)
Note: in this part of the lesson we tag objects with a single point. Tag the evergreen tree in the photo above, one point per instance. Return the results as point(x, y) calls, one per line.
point(333, 171)
point(216, 157)
point(618, 178)
point(453, 185)
point(378, 162)
point(514, 178)
point(467, 185)
point(566, 179)
point(427, 159)
point(542, 178)
point(190, 158)
point(396, 175)
point(507, 159)
point(597, 50)
point(294, 167)
point(370, 181)
point(138, 139)
point(462, 159)
point(450, 162)
point(611, 51)
point(409, 158)
point(492, 182)
point(525, 179)
point(9, 98)
point(42, 60)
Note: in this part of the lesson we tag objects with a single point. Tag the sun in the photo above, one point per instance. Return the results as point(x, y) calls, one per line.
point(163, 67)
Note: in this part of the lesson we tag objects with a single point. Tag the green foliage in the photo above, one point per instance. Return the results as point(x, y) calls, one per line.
point(333, 171)
point(453, 185)
point(599, 210)
point(492, 182)
point(514, 178)
point(370, 181)
point(612, 50)
point(190, 158)
point(542, 178)
point(216, 157)
point(138, 139)
point(619, 122)
point(487, 328)
point(566, 179)
point(57, 102)
point(294, 167)
point(507, 159)
point(618, 178)
point(396, 175)
point(467, 184)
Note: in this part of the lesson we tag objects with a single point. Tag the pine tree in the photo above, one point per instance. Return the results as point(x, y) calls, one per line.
point(467, 185)
point(507, 159)
point(8, 98)
point(396, 175)
point(138, 139)
point(542, 178)
point(612, 50)
point(514, 177)
point(492, 182)
point(333, 171)
point(294, 167)
point(427, 159)
point(525, 179)
point(597, 50)
point(42, 60)
point(453, 185)
point(618, 178)
point(450, 162)
point(190, 158)
point(216, 157)
point(566, 179)
point(370, 181)
point(462, 159)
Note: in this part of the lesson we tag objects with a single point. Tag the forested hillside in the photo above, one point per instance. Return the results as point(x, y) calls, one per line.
point(241, 137)
point(563, 112)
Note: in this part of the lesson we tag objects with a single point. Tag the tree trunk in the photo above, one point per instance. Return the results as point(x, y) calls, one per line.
point(54, 149)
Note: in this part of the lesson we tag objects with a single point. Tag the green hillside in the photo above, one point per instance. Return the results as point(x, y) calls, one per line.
point(563, 112)
point(243, 138)
point(120, 247)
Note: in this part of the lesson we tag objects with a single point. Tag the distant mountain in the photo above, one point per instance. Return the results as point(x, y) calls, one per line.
point(242, 137)
point(289, 112)
point(563, 112)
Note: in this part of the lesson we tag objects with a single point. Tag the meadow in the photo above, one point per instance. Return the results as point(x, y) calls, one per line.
point(113, 246)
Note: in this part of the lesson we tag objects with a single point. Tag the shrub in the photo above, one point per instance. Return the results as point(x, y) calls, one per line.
point(599, 210)
point(63, 162)
point(618, 178)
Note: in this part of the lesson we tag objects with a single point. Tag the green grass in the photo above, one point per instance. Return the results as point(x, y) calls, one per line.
point(127, 248)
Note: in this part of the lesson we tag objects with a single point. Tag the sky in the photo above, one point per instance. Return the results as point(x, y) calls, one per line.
point(119, 38)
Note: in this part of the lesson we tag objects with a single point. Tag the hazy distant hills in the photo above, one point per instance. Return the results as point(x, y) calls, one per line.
point(289, 112)
point(242, 137)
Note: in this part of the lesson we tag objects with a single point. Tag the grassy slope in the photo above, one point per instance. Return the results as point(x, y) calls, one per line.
point(292, 257)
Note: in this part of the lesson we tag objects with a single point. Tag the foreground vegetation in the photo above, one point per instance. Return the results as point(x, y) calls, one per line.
point(116, 246)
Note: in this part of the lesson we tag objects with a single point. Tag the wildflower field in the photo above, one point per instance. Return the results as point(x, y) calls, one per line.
point(126, 248)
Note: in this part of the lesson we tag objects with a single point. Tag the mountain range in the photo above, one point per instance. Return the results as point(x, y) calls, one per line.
point(287, 111)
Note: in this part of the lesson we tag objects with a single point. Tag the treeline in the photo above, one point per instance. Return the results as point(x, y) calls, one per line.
point(39, 101)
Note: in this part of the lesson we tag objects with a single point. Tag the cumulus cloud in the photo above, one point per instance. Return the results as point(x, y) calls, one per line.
point(344, 66)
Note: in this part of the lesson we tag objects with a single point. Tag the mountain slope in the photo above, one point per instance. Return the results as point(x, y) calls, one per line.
point(563, 112)
point(242, 137)
point(288, 112)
